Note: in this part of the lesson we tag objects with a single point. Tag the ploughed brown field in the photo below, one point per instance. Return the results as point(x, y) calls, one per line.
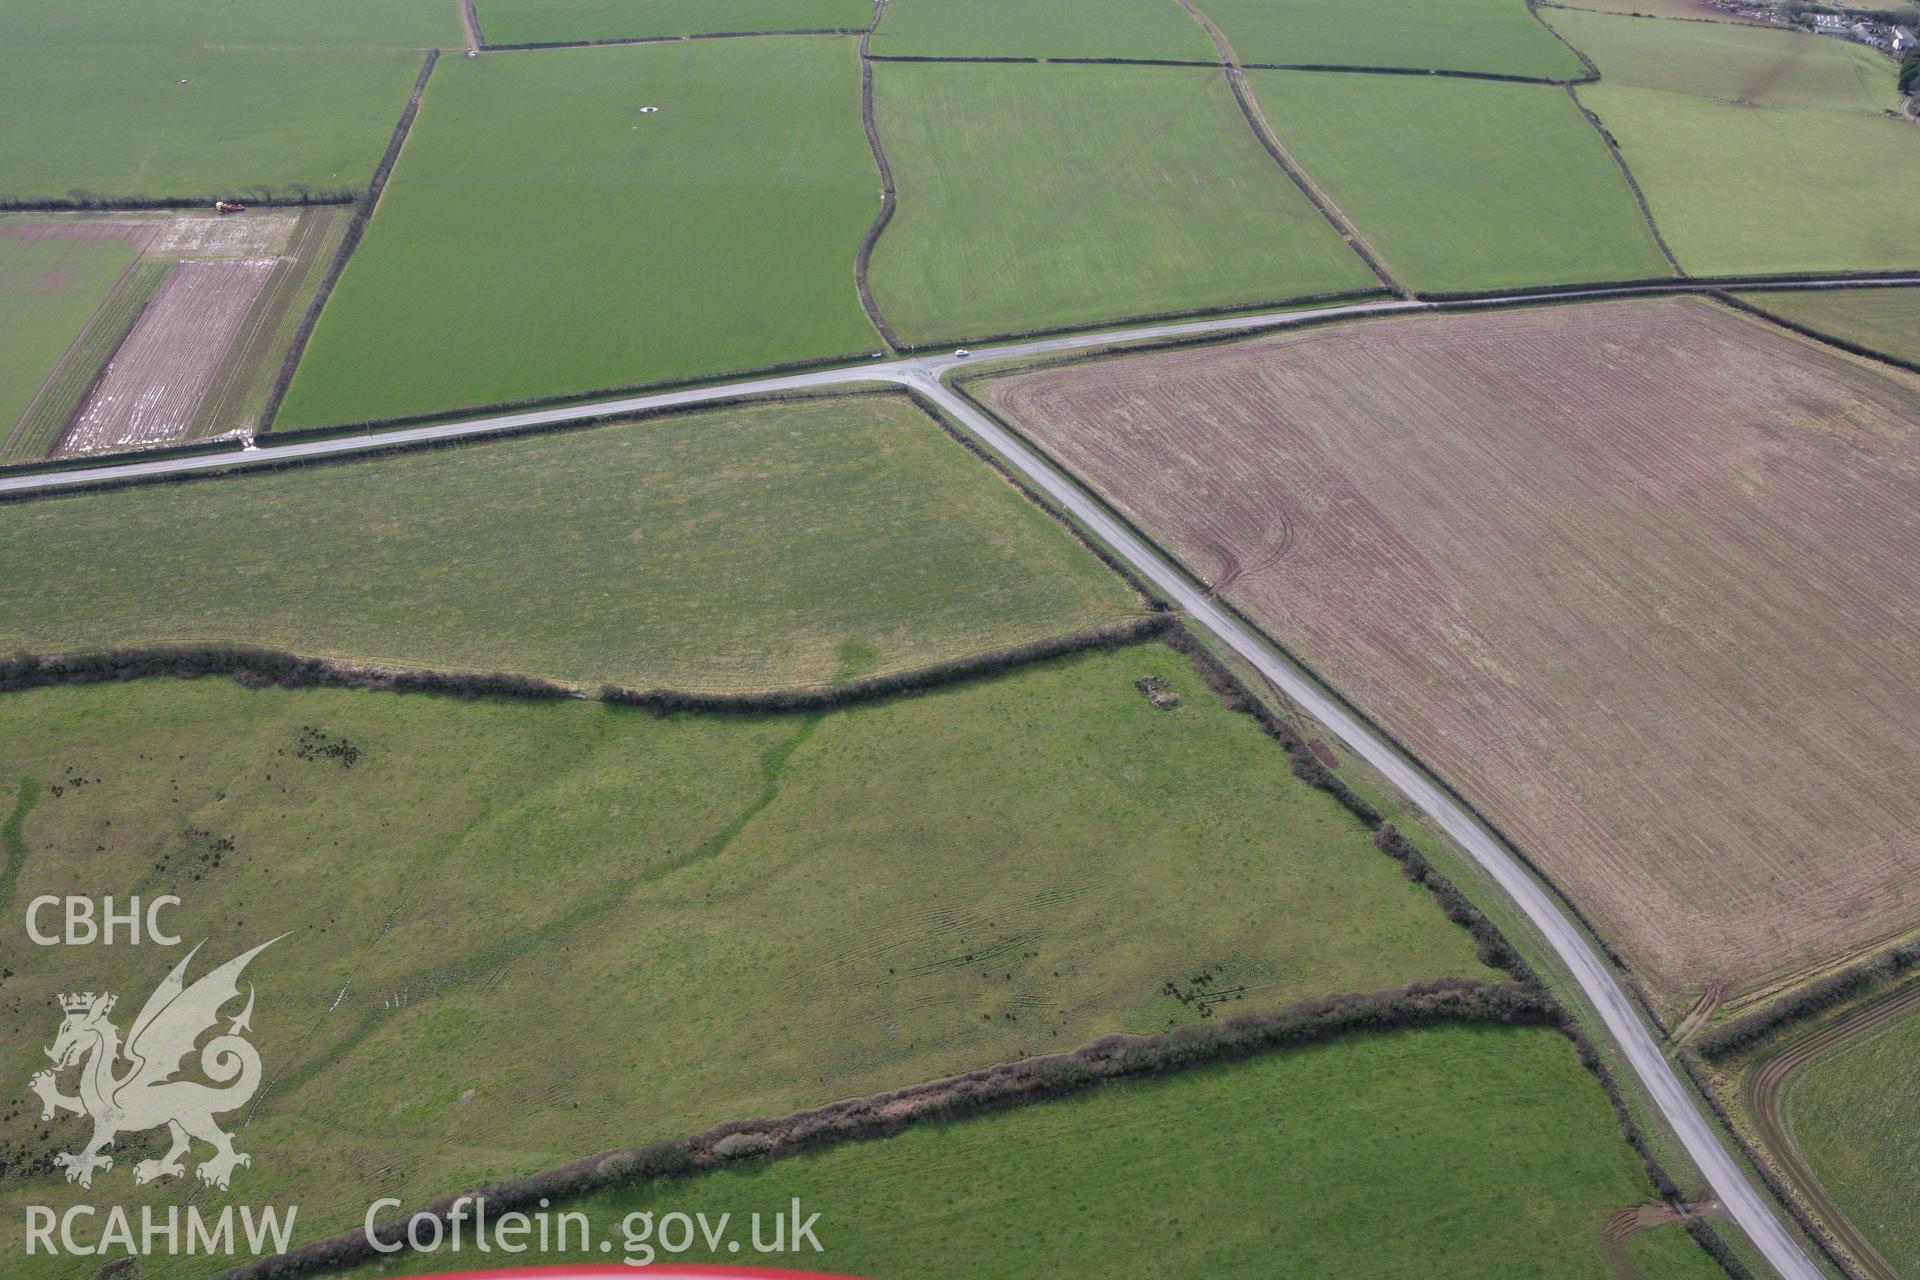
point(153, 384)
point(1641, 578)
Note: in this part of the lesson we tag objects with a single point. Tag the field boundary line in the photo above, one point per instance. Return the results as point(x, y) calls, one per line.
point(258, 666)
point(470, 19)
point(1789, 1011)
point(1341, 68)
point(1264, 133)
point(1834, 340)
point(1304, 301)
point(1593, 70)
point(534, 46)
point(889, 196)
point(1633, 183)
point(363, 211)
point(1765, 1084)
point(988, 1090)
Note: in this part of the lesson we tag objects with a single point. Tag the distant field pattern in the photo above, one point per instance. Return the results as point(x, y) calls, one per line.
point(1047, 197)
point(1567, 554)
point(1455, 35)
point(534, 21)
point(1042, 29)
point(1462, 184)
point(1760, 151)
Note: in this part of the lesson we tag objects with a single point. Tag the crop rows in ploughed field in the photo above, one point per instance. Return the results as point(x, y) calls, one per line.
point(1642, 578)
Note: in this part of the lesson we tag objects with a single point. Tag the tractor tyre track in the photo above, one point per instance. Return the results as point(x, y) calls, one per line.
point(1763, 1094)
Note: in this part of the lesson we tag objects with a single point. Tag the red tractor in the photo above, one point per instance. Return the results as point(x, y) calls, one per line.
point(228, 206)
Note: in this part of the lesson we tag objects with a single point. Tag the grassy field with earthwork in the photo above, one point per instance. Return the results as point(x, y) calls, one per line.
point(1039, 856)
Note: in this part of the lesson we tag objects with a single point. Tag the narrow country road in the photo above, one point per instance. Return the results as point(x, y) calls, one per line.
point(1729, 1182)
point(924, 374)
point(900, 370)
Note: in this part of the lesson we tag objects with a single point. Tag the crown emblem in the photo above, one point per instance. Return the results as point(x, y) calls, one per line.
point(80, 1003)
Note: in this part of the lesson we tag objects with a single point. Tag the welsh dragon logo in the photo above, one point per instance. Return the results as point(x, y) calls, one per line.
point(143, 1093)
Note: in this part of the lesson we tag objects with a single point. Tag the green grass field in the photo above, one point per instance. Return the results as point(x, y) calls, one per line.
point(529, 21)
point(1454, 35)
point(1045, 197)
point(747, 548)
point(111, 116)
point(1042, 29)
point(1759, 151)
point(542, 235)
point(49, 289)
point(1742, 190)
point(37, 431)
point(1452, 1152)
point(1854, 1115)
point(1886, 320)
point(1464, 184)
point(521, 932)
point(360, 24)
point(1753, 66)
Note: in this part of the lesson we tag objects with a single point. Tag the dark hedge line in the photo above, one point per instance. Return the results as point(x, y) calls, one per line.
point(928, 57)
point(1778, 1189)
point(1805, 331)
point(1243, 96)
point(1633, 183)
point(121, 456)
point(524, 45)
point(1716, 1247)
point(562, 399)
point(1593, 71)
point(1148, 596)
point(257, 668)
point(664, 702)
point(295, 195)
point(1490, 944)
point(348, 243)
point(1154, 317)
point(1618, 288)
point(1813, 999)
point(472, 16)
point(863, 256)
point(1361, 69)
point(998, 1088)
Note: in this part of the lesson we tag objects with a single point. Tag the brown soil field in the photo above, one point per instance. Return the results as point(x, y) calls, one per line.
point(152, 386)
point(1640, 578)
